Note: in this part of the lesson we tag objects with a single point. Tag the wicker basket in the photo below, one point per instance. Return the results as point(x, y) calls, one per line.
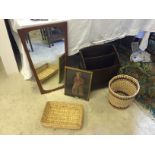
point(46, 71)
point(122, 90)
point(62, 115)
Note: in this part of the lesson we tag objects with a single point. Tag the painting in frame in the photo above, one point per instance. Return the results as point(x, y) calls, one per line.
point(77, 82)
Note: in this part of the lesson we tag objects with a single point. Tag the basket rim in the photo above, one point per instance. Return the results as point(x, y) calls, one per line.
point(125, 77)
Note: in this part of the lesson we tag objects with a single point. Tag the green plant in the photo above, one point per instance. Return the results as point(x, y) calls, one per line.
point(143, 72)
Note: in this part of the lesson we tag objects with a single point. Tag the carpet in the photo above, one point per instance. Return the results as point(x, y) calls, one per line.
point(42, 53)
point(101, 118)
point(22, 107)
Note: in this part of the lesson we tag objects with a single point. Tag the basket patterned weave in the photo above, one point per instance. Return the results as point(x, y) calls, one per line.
point(122, 90)
point(62, 115)
point(46, 71)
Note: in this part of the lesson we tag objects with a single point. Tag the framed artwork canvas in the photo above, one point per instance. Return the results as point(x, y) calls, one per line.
point(77, 82)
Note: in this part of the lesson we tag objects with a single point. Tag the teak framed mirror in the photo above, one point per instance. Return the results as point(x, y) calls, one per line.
point(46, 48)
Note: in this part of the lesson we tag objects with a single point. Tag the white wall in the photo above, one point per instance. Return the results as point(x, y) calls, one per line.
point(6, 51)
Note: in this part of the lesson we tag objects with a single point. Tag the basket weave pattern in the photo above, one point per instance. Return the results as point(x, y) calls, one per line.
point(122, 90)
point(62, 115)
point(46, 71)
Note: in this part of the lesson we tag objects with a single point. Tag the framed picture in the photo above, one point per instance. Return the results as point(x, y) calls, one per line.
point(61, 68)
point(77, 82)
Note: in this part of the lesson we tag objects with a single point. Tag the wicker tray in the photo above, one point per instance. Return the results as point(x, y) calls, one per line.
point(46, 71)
point(62, 115)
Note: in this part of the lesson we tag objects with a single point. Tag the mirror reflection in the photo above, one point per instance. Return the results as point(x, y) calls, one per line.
point(46, 48)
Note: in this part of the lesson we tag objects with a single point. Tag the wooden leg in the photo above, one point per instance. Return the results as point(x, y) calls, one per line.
point(28, 37)
point(42, 34)
point(48, 36)
point(51, 36)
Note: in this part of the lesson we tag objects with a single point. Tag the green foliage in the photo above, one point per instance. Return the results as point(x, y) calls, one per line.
point(144, 74)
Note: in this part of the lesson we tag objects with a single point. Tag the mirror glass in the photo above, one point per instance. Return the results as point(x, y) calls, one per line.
point(46, 48)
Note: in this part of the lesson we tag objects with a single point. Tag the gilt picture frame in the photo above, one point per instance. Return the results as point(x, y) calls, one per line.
point(78, 82)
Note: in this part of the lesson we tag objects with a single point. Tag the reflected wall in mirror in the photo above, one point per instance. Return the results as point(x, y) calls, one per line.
point(46, 49)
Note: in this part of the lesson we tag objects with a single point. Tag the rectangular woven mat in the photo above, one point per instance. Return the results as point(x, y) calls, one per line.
point(62, 115)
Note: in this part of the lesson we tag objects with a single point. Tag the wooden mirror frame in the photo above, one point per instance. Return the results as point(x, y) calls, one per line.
point(23, 31)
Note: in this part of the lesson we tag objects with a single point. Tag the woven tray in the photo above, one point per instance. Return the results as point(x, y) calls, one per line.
point(62, 115)
point(46, 71)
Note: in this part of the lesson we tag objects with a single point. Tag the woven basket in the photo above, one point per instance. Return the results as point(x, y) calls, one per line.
point(46, 71)
point(122, 90)
point(62, 115)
